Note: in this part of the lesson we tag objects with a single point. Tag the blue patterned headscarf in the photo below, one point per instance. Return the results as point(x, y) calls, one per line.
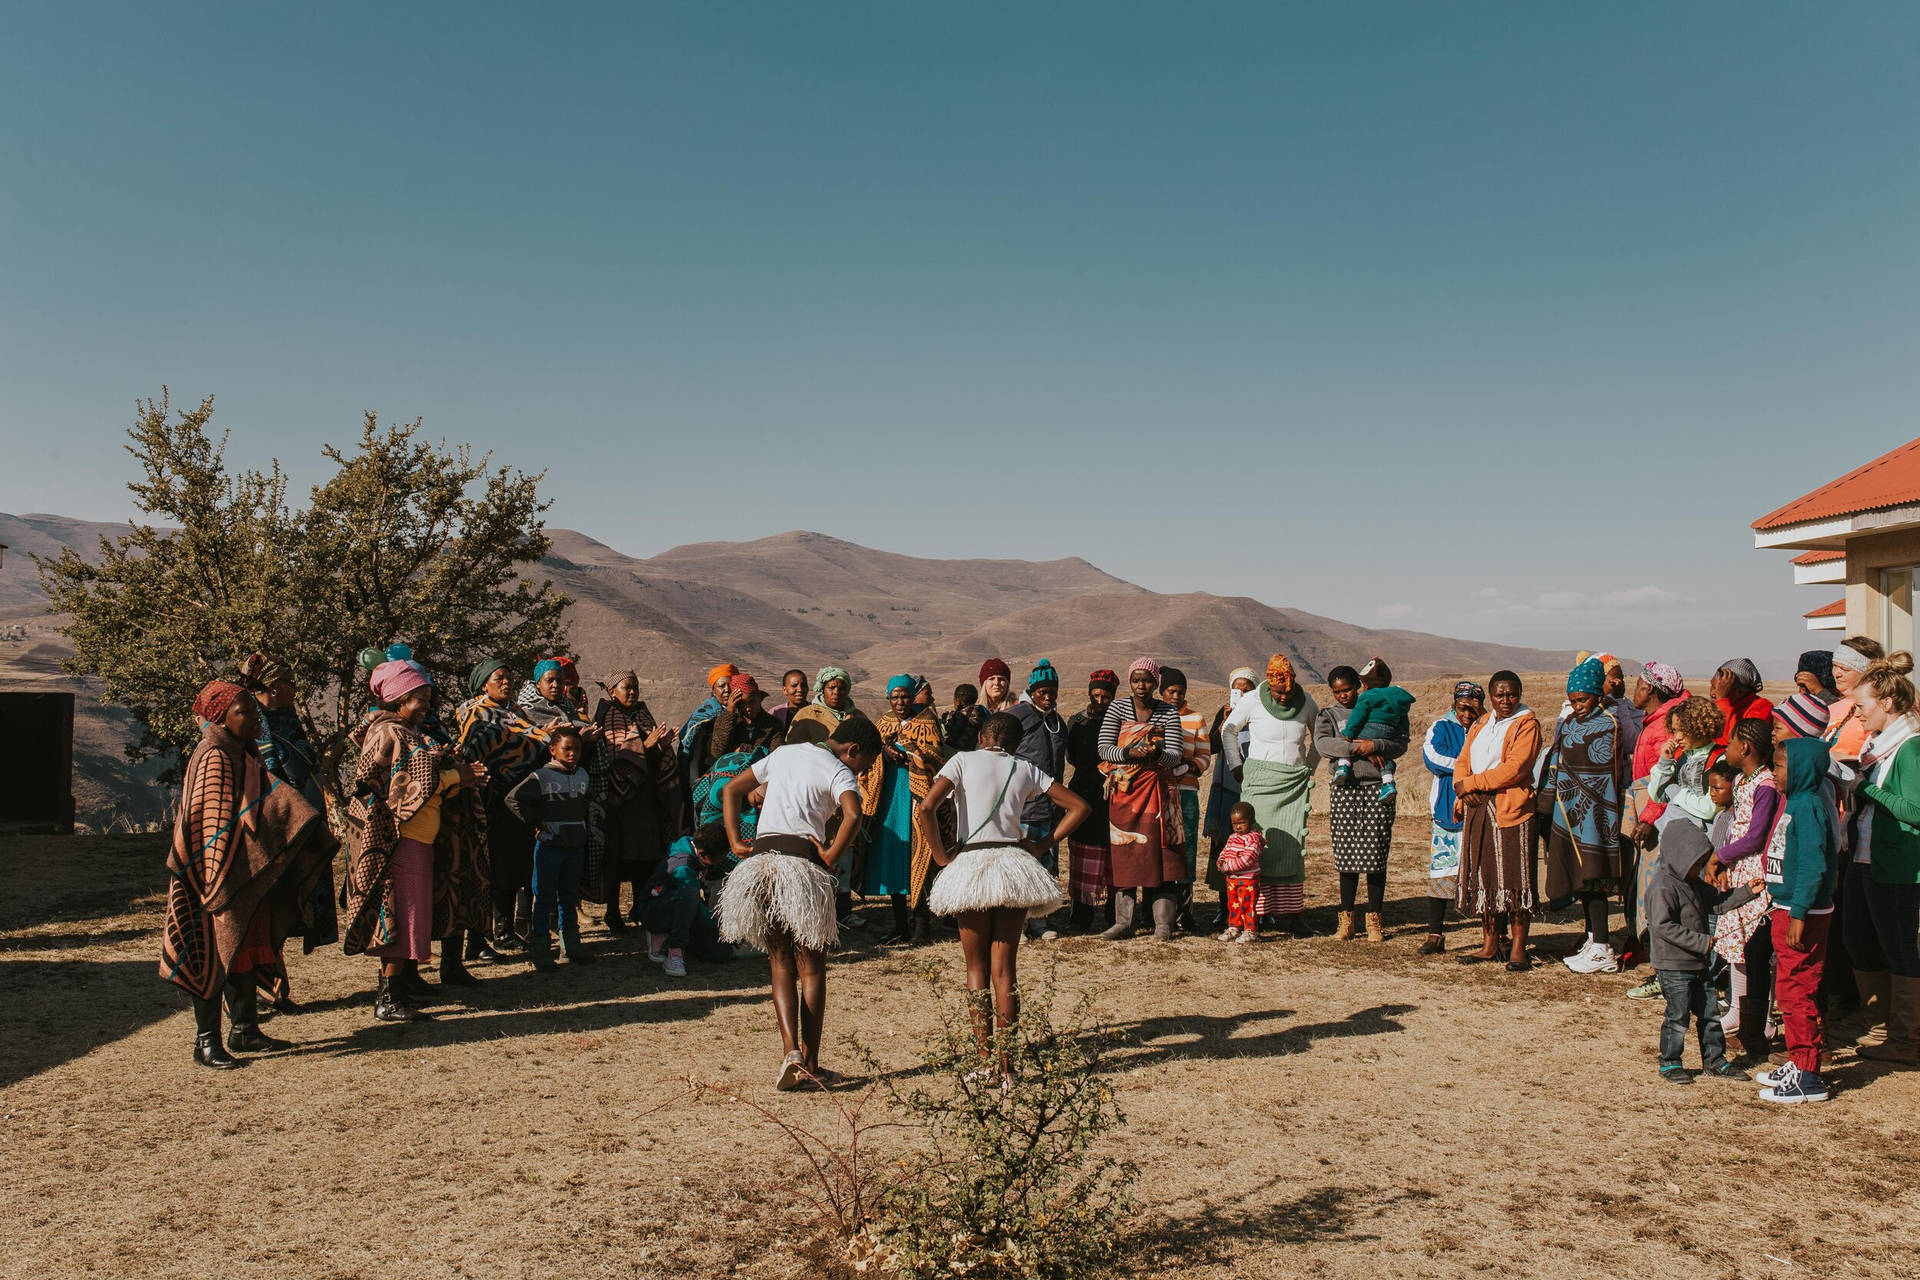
point(1588, 677)
point(543, 666)
point(1469, 689)
point(901, 682)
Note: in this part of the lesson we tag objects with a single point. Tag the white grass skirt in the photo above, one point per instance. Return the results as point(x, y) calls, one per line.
point(773, 893)
point(999, 876)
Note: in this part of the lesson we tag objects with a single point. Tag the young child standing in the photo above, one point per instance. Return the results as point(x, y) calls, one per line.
point(1679, 903)
point(1239, 863)
point(1379, 712)
point(553, 801)
point(1800, 874)
point(1739, 850)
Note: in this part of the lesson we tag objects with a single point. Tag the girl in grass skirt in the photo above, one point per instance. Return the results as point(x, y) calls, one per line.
point(993, 880)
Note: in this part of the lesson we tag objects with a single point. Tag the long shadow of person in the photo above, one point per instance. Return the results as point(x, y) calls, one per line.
point(1152, 1041)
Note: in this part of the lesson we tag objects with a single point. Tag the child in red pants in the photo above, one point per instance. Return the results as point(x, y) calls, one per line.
point(1800, 872)
point(1239, 861)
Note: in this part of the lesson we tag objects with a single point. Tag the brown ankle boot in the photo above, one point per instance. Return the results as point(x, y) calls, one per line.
point(1343, 932)
point(1375, 931)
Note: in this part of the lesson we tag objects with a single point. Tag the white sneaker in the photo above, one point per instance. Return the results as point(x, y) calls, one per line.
point(1231, 935)
point(1771, 1076)
point(676, 966)
point(1595, 957)
point(657, 947)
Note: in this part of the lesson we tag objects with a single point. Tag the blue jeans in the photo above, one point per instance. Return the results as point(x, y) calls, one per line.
point(1690, 994)
point(681, 914)
point(1040, 831)
point(556, 889)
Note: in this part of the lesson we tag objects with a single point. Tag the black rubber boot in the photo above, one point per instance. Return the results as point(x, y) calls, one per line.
point(572, 950)
point(902, 931)
point(243, 1011)
point(452, 972)
point(412, 988)
point(1080, 919)
point(207, 1049)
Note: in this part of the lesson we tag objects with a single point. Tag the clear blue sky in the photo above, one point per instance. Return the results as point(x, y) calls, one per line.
point(1494, 320)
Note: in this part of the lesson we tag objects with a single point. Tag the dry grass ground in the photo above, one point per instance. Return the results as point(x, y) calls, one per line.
point(1298, 1108)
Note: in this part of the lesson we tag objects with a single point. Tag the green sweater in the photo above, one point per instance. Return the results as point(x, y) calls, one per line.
point(1895, 845)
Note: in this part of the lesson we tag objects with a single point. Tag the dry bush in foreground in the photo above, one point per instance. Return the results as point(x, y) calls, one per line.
point(1000, 1181)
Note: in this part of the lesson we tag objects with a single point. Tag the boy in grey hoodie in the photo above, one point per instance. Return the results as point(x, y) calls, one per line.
point(1680, 907)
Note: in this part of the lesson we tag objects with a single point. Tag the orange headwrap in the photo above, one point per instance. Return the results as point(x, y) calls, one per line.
point(725, 671)
point(1280, 676)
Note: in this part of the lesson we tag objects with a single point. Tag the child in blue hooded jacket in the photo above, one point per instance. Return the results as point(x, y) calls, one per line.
point(1800, 870)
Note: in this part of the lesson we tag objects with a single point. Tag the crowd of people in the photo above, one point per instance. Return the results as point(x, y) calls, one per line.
point(1770, 848)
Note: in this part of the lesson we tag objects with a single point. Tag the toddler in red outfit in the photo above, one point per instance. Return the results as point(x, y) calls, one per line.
point(1239, 861)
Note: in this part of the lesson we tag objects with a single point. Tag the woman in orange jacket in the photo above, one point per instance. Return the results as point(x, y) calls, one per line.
point(1493, 788)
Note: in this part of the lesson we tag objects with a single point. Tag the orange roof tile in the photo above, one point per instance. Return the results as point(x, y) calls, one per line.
point(1838, 609)
point(1890, 480)
point(1818, 557)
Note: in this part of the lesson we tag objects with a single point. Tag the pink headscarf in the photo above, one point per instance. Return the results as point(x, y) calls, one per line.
point(392, 681)
point(1147, 665)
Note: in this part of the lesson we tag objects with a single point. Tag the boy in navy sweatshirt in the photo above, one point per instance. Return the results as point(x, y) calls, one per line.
point(553, 801)
point(1800, 872)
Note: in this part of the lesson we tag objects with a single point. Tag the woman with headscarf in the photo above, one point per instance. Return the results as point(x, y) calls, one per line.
point(693, 734)
point(1493, 800)
point(1196, 757)
point(1587, 773)
point(493, 732)
point(1440, 752)
point(1735, 689)
point(287, 754)
point(744, 724)
point(246, 850)
point(1359, 817)
point(399, 841)
point(1140, 747)
point(1089, 873)
point(815, 722)
point(900, 860)
point(1276, 777)
point(640, 817)
point(1043, 744)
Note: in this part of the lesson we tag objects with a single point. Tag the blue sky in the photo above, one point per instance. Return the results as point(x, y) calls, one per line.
point(1492, 320)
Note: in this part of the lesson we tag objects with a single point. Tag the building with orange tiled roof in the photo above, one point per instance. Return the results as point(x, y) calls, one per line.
point(1861, 531)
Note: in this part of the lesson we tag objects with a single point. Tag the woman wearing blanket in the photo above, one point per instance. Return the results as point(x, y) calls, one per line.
point(993, 879)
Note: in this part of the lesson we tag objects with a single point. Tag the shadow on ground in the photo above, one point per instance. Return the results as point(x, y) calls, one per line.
point(1211, 1234)
point(57, 1010)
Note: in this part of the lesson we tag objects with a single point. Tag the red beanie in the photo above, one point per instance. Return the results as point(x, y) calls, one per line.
point(995, 667)
point(212, 703)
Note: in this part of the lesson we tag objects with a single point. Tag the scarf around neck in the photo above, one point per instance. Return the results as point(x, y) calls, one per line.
point(1281, 710)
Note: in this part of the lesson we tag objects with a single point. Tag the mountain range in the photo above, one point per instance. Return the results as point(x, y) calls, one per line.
point(803, 600)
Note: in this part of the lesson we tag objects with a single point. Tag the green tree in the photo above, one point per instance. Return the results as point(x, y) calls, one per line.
point(405, 541)
point(417, 542)
point(164, 610)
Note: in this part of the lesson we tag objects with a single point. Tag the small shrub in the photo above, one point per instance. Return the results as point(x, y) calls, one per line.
point(1005, 1184)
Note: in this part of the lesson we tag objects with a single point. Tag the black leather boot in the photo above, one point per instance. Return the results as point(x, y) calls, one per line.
point(452, 972)
point(207, 1049)
point(388, 1007)
point(243, 1009)
point(571, 948)
point(902, 931)
point(1081, 918)
point(412, 988)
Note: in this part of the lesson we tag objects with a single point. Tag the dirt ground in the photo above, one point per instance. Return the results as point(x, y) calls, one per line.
point(1297, 1108)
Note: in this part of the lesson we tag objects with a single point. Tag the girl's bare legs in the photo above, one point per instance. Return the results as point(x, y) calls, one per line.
point(786, 1002)
point(977, 950)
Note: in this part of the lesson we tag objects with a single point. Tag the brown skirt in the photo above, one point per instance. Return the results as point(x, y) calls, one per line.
point(1494, 875)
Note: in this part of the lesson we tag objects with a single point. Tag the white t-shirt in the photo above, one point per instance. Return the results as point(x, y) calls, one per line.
point(804, 784)
point(977, 778)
